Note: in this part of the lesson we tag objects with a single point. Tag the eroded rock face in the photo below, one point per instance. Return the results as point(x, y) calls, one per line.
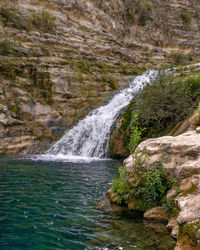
point(61, 59)
point(180, 155)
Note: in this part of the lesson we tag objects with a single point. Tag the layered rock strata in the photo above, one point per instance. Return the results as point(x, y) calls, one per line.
point(61, 59)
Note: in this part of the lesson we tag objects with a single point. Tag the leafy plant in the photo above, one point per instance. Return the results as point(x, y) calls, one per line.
point(6, 47)
point(12, 17)
point(119, 186)
point(186, 16)
point(113, 83)
point(147, 187)
point(79, 77)
point(136, 133)
point(84, 66)
point(144, 17)
point(198, 109)
point(165, 103)
point(44, 21)
point(178, 57)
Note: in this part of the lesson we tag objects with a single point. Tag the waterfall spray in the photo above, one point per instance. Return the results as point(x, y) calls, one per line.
point(90, 137)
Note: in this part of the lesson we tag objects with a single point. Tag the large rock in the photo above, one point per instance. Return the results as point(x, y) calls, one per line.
point(180, 155)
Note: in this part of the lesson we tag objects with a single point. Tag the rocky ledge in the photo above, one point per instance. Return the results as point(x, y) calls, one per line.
point(180, 157)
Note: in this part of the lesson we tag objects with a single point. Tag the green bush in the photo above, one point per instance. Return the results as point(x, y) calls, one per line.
point(192, 85)
point(12, 17)
point(120, 188)
point(113, 83)
point(151, 186)
point(198, 109)
point(144, 17)
point(84, 66)
point(186, 16)
point(136, 133)
point(79, 77)
point(6, 47)
point(162, 105)
point(178, 58)
point(44, 21)
point(147, 188)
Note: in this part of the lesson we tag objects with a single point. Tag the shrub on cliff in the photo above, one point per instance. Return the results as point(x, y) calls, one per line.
point(165, 103)
point(44, 21)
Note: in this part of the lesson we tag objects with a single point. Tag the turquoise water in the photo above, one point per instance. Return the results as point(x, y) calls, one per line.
point(51, 205)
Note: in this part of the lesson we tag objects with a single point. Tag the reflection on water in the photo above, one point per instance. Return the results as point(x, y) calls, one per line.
point(51, 205)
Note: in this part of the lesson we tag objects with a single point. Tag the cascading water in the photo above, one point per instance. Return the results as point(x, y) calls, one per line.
point(90, 137)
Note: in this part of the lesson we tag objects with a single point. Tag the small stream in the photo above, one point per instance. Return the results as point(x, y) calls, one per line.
point(51, 205)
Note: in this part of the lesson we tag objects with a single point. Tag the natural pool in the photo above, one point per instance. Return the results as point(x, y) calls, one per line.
point(51, 205)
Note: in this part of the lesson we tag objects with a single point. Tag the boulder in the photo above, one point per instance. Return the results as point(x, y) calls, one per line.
point(157, 214)
point(180, 155)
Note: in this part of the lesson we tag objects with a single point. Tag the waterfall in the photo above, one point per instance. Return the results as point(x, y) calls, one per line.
point(90, 137)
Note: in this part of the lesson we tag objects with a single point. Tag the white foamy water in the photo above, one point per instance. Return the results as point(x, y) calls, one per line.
point(90, 137)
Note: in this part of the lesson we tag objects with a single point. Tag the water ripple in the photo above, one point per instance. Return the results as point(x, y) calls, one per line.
point(50, 205)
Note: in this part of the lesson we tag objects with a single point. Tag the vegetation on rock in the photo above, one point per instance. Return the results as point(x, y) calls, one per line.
point(160, 106)
point(145, 188)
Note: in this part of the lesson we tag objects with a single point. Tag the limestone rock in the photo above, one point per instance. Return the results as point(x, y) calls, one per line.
point(63, 70)
point(195, 119)
point(157, 214)
point(173, 227)
point(198, 129)
point(180, 155)
point(190, 209)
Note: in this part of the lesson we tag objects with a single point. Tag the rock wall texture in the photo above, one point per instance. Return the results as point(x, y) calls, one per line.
point(61, 58)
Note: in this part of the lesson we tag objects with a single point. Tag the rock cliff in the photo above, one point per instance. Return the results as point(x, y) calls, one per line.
point(61, 58)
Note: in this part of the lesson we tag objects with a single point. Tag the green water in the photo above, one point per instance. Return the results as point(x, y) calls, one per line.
point(51, 205)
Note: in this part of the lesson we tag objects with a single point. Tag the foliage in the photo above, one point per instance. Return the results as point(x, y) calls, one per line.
point(191, 230)
point(192, 87)
point(15, 108)
point(41, 86)
point(151, 186)
point(144, 17)
point(9, 47)
point(198, 109)
point(84, 66)
point(165, 103)
point(127, 70)
point(12, 17)
point(136, 133)
point(79, 77)
point(148, 187)
point(113, 83)
point(6, 47)
point(119, 186)
point(186, 16)
point(178, 57)
point(103, 67)
point(44, 50)
point(169, 204)
point(44, 21)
